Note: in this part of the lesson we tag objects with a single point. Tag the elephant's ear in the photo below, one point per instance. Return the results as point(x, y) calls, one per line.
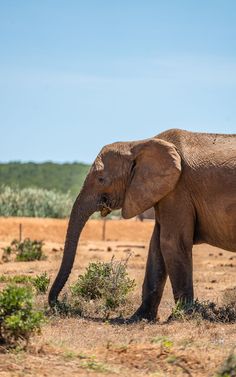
point(156, 170)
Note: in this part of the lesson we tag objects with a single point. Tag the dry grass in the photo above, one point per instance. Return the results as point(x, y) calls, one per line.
point(83, 347)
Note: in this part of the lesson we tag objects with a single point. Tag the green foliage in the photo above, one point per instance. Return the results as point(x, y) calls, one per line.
point(7, 252)
point(27, 250)
point(108, 282)
point(66, 308)
point(228, 369)
point(18, 279)
point(204, 310)
point(18, 319)
point(41, 283)
point(50, 176)
point(33, 202)
point(40, 190)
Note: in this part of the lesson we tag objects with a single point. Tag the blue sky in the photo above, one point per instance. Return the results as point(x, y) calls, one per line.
point(76, 75)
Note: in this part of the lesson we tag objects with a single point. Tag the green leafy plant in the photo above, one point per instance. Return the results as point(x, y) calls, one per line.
point(29, 250)
point(6, 256)
point(26, 250)
point(18, 319)
point(228, 369)
point(105, 281)
point(41, 283)
point(18, 279)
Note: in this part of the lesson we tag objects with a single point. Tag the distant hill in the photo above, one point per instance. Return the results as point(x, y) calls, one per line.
point(48, 175)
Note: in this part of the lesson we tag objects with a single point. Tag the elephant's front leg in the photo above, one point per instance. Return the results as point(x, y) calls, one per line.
point(154, 281)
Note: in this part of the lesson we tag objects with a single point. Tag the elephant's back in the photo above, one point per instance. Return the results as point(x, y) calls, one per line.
point(203, 149)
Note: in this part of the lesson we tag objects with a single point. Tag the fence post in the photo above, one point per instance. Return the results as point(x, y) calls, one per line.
point(104, 229)
point(20, 232)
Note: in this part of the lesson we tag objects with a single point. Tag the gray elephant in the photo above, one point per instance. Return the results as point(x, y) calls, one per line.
point(190, 180)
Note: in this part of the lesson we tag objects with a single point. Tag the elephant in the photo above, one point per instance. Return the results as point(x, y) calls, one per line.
point(149, 214)
point(190, 180)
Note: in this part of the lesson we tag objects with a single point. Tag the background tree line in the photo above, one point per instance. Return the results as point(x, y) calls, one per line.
point(39, 190)
point(63, 178)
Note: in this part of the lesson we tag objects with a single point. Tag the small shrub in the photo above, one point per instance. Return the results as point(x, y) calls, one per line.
point(27, 250)
point(6, 256)
point(107, 283)
point(41, 283)
point(18, 319)
point(204, 310)
point(18, 279)
point(67, 307)
point(228, 369)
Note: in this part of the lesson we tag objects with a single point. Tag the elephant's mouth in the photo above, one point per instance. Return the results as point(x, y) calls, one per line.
point(105, 211)
point(104, 207)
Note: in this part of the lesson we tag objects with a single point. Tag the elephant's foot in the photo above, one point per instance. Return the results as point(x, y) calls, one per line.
point(184, 306)
point(143, 313)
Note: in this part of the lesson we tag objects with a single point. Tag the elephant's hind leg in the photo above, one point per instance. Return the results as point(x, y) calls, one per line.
point(154, 281)
point(177, 254)
point(177, 218)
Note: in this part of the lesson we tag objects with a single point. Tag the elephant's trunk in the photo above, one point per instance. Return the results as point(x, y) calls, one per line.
point(80, 213)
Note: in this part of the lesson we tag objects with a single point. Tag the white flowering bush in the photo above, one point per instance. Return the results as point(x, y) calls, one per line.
point(34, 202)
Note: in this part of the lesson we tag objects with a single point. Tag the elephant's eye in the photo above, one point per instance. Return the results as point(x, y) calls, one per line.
point(101, 179)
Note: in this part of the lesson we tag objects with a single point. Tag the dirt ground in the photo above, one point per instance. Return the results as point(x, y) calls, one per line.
point(88, 347)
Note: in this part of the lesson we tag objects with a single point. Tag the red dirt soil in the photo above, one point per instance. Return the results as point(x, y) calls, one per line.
point(54, 230)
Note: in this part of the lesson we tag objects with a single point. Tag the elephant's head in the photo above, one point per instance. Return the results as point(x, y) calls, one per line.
point(132, 176)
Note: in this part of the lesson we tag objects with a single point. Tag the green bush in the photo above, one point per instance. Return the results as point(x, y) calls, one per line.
point(108, 282)
point(7, 253)
point(34, 202)
point(18, 319)
point(228, 368)
point(41, 283)
point(18, 279)
point(26, 250)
